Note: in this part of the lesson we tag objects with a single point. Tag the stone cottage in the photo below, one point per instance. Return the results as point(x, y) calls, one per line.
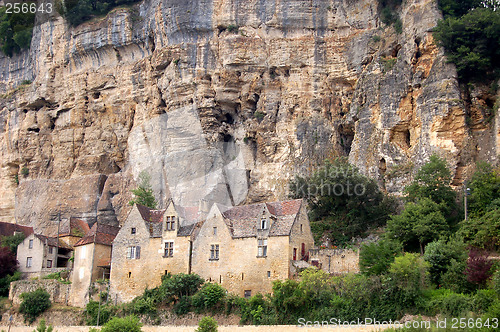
point(246, 248)
point(150, 244)
point(92, 261)
point(37, 255)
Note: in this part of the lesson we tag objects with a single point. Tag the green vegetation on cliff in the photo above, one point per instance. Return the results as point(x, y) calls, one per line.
point(79, 11)
point(15, 31)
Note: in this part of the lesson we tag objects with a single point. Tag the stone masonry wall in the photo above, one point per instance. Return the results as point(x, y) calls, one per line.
point(336, 261)
point(59, 292)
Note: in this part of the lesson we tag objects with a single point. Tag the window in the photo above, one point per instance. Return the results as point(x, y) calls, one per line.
point(301, 229)
point(303, 251)
point(169, 249)
point(134, 252)
point(262, 252)
point(49, 264)
point(30, 244)
point(29, 260)
point(215, 230)
point(51, 249)
point(263, 224)
point(294, 254)
point(83, 252)
point(170, 224)
point(133, 230)
point(214, 252)
point(248, 294)
point(129, 274)
point(269, 274)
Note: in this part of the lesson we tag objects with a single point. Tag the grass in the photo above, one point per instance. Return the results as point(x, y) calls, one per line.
point(387, 64)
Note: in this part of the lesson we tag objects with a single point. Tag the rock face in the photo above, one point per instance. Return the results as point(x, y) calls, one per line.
point(224, 101)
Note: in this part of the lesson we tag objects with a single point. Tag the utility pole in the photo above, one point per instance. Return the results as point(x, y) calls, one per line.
point(57, 242)
point(466, 193)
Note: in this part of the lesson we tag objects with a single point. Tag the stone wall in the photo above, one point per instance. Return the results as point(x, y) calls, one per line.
point(336, 261)
point(59, 292)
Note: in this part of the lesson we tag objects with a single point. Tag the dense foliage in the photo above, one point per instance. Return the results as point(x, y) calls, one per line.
point(15, 31)
point(125, 324)
point(144, 192)
point(12, 241)
point(34, 303)
point(207, 324)
point(389, 15)
point(378, 256)
point(343, 203)
point(470, 39)
point(79, 11)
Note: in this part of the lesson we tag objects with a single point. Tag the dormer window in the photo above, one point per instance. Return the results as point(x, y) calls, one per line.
point(170, 223)
point(264, 224)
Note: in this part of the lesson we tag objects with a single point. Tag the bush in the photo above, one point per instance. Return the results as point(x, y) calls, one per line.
point(92, 311)
point(42, 327)
point(207, 324)
point(183, 306)
point(375, 258)
point(483, 300)
point(34, 304)
point(209, 296)
point(125, 324)
point(175, 287)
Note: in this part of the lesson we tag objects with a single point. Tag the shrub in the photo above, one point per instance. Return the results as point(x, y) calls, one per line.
point(478, 269)
point(209, 296)
point(175, 287)
point(483, 300)
point(34, 304)
point(144, 192)
point(125, 324)
point(25, 171)
point(375, 258)
point(92, 311)
point(207, 324)
point(183, 306)
point(42, 327)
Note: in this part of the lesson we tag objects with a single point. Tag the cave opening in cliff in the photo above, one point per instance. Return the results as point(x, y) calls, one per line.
point(346, 136)
point(228, 118)
point(401, 136)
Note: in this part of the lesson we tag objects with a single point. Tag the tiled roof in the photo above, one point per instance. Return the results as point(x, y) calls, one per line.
point(8, 229)
point(52, 241)
point(186, 230)
point(150, 215)
point(100, 234)
point(74, 227)
point(243, 220)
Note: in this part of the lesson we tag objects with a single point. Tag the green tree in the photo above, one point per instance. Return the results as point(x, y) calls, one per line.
point(12, 241)
point(144, 193)
point(433, 181)
point(15, 31)
point(457, 8)
point(125, 324)
point(376, 257)
point(34, 304)
point(440, 254)
point(177, 286)
point(471, 43)
point(420, 222)
point(42, 327)
point(483, 232)
point(485, 189)
point(343, 203)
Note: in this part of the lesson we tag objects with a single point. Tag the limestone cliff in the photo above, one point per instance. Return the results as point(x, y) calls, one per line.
point(223, 101)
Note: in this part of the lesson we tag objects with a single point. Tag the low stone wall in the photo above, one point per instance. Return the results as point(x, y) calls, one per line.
point(59, 292)
point(336, 261)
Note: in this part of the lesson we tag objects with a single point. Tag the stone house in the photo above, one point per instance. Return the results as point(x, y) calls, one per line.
point(150, 244)
point(92, 261)
point(246, 248)
point(37, 255)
